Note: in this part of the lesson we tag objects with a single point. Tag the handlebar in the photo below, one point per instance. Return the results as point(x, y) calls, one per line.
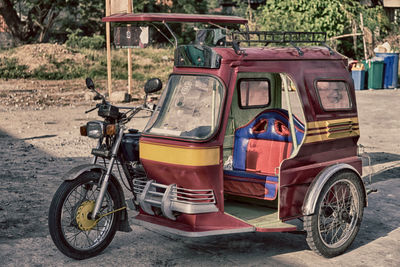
point(107, 110)
point(90, 110)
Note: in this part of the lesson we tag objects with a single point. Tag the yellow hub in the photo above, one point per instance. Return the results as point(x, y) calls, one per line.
point(82, 216)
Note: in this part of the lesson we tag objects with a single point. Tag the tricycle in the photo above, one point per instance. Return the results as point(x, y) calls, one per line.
point(224, 151)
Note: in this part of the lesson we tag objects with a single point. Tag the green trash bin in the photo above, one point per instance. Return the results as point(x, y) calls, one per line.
point(374, 68)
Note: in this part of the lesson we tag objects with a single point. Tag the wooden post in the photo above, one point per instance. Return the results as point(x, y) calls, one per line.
point(354, 29)
point(108, 41)
point(130, 85)
point(362, 30)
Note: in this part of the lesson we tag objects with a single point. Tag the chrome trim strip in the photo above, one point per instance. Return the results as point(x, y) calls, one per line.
point(142, 199)
point(171, 198)
point(192, 234)
point(166, 203)
point(193, 209)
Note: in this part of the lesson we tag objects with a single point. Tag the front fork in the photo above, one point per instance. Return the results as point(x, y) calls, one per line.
point(104, 183)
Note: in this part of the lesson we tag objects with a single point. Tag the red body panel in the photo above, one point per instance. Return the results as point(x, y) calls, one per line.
point(248, 188)
point(296, 173)
point(192, 177)
point(316, 63)
point(197, 223)
point(173, 17)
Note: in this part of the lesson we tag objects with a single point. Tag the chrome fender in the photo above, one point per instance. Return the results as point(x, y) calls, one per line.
point(78, 170)
point(310, 200)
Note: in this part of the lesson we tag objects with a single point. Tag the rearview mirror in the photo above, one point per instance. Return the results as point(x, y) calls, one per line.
point(90, 86)
point(89, 83)
point(152, 86)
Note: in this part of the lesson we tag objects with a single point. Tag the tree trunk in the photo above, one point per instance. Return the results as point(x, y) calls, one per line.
point(40, 19)
point(46, 27)
point(12, 20)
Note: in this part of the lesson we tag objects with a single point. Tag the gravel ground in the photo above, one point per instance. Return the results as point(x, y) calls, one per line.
point(41, 142)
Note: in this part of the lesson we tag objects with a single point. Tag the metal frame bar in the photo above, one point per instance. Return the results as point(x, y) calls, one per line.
point(104, 181)
point(279, 37)
point(172, 33)
point(292, 130)
point(268, 37)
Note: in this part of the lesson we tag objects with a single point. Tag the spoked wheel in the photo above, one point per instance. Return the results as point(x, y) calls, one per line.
point(73, 231)
point(337, 218)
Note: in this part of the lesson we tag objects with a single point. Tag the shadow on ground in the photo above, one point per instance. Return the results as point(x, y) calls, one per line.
point(384, 166)
point(29, 177)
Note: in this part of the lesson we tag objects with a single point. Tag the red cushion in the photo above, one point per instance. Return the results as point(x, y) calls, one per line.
point(266, 155)
point(247, 189)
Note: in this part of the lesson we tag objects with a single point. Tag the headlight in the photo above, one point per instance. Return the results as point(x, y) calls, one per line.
point(95, 129)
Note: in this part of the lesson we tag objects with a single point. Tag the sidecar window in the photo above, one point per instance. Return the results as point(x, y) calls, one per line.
point(334, 95)
point(190, 107)
point(254, 93)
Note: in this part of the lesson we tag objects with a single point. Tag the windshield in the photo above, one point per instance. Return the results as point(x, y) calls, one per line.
point(190, 107)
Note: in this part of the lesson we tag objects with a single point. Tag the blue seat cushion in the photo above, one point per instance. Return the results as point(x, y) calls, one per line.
point(271, 124)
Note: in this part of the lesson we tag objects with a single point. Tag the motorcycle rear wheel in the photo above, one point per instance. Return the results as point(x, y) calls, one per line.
point(70, 224)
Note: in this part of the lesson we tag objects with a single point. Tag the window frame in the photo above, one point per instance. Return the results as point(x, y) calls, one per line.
point(165, 95)
point(351, 104)
point(254, 106)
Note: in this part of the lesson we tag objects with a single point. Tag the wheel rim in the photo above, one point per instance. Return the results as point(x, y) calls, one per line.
point(82, 197)
point(338, 213)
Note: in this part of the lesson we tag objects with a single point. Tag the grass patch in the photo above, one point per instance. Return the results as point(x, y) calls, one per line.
point(11, 69)
point(146, 63)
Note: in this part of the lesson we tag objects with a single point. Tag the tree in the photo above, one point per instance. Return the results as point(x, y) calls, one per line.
point(35, 18)
point(335, 17)
point(89, 15)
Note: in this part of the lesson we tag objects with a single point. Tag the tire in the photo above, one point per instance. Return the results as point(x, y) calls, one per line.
point(338, 214)
point(74, 234)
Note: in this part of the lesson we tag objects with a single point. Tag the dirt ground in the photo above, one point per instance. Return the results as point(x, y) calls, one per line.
point(39, 142)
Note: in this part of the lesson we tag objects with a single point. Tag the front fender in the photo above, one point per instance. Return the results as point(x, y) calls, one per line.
point(78, 170)
point(310, 200)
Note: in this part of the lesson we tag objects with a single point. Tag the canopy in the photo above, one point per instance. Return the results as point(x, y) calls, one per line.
point(173, 17)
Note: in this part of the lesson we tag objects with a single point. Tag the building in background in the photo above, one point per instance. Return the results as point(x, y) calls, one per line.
point(392, 8)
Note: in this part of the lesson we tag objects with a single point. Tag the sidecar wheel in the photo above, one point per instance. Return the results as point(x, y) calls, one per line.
point(338, 214)
point(72, 230)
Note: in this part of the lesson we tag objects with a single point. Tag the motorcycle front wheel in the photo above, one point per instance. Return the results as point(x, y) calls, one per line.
point(73, 231)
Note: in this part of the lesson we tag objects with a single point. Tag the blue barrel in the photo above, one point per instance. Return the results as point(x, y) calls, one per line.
point(391, 69)
point(358, 78)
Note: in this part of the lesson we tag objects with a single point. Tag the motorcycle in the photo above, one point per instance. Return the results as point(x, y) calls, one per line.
point(224, 151)
point(89, 206)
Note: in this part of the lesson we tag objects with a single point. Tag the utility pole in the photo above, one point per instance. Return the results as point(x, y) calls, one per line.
point(108, 41)
point(130, 85)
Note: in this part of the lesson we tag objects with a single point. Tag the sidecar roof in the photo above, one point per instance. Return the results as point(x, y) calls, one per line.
point(173, 17)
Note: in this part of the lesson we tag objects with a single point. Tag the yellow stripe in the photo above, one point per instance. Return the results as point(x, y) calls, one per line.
point(325, 137)
point(321, 124)
point(317, 131)
point(180, 155)
point(344, 127)
point(329, 130)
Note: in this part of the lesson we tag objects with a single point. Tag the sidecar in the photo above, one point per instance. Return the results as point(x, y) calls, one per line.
point(228, 150)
